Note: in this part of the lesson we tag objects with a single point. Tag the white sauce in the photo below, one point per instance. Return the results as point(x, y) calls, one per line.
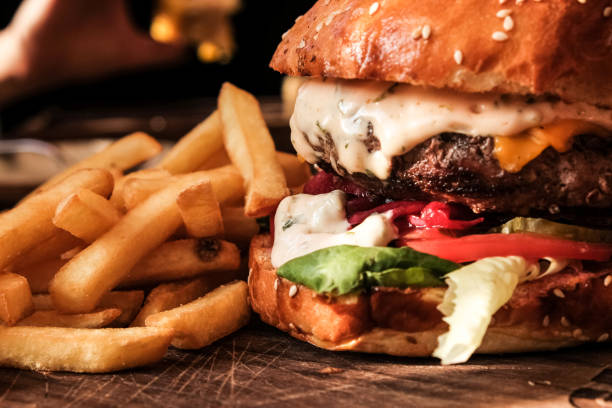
point(408, 115)
point(305, 223)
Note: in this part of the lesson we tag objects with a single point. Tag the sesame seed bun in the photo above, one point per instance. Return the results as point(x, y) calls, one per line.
point(407, 322)
point(557, 47)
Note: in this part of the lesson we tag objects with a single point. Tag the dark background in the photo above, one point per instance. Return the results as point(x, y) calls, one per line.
point(258, 28)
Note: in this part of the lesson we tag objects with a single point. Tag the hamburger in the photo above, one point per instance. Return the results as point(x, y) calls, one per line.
point(463, 199)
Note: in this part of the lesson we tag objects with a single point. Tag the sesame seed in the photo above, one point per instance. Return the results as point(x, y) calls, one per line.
point(520, 1)
point(565, 322)
point(319, 27)
point(531, 383)
point(503, 13)
point(502, 1)
point(582, 1)
point(577, 333)
point(302, 44)
point(608, 281)
point(603, 337)
point(276, 282)
point(499, 36)
point(426, 32)
point(546, 321)
point(508, 23)
point(559, 293)
point(416, 33)
point(373, 8)
point(291, 326)
point(293, 291)
point(607, 12)
point(458, 57)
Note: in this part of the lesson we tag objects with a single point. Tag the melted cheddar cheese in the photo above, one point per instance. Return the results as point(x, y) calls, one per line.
point(514, 152)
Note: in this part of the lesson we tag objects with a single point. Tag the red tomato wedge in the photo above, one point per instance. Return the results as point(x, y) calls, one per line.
point(532, 246)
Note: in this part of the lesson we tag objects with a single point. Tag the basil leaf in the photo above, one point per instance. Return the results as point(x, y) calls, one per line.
point(344, 269)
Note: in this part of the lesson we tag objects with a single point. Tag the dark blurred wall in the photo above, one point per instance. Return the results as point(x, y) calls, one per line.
point(258, 28)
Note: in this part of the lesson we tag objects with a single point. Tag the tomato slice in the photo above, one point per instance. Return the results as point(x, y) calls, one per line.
point(532, 246)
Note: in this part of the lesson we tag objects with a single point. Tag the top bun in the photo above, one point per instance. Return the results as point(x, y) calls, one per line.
point(557, 47)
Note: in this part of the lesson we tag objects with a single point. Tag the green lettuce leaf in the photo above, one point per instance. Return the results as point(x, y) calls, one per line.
point(344, 269)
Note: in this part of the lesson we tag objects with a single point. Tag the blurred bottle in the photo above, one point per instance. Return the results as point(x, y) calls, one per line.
point(204, 23)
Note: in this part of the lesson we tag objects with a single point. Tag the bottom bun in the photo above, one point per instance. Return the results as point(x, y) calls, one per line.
point(560, 310)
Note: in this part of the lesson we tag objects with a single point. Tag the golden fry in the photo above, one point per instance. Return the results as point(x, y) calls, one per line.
point(123, 154)
point(195, 147)
point(29, 224)
point(128, 302)
point(183, 259)
point(39, 275)
point(219, 159)
point(170, 295)
point(237, 227)
point(49, 250)
point(207, 319)
point(53, 318)
point(297, 172)
point(86, 215)
point(200, 211)
point(83, 281)
point(82, 350)
point(15, 298)
point(226, 182)
point(116, 198)
point(251, 148)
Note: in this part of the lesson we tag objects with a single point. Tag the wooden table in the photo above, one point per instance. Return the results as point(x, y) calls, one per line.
point(262, 367)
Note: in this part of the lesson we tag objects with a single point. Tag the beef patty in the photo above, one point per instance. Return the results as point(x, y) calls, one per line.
point(463, 169)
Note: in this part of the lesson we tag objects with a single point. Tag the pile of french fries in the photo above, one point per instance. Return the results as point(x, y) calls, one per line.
point(79, 254)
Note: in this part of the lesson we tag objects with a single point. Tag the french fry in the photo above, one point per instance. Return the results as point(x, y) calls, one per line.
point(39, 275)
point(123, 154)
point(200, 211)
point(128, 302)
point(170, 295)
point(207, 319)
point(237, 227)
point(251, 149)
point(116, 198)
point(86, 215)
point(183, 259)
point(15, 298)
point(297, 172)
point(136, 190)
point(83, 281)
point(195, 147)
point(219, 159)
point(30, 223)
point(226, 182)
point(52, 318)
point(48, 250)
point(82, 350)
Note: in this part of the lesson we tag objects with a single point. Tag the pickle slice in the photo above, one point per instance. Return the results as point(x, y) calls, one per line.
point(547, 227)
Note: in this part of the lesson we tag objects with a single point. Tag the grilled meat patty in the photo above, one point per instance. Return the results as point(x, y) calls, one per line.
point(463, 169)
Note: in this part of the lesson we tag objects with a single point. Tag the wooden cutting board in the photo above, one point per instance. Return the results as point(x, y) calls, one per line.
point(262, 367)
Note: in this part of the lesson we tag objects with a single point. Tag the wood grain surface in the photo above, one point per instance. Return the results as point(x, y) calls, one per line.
point(262, 367)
